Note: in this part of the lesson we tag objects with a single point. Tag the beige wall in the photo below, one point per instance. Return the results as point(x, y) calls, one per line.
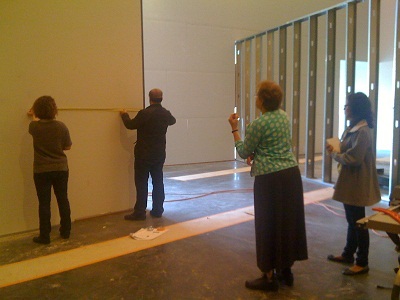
point(189, 53)
point(86, 54)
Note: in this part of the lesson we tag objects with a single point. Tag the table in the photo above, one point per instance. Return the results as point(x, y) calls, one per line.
point(383, 222)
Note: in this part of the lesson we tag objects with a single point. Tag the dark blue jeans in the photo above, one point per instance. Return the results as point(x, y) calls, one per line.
point(143, 169)
point(357, 238)
point(59, 181)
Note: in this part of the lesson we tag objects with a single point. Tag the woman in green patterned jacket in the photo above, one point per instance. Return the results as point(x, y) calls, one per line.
point(278, 190)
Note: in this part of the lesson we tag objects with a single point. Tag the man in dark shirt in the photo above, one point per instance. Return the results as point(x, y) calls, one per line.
point(151, 124)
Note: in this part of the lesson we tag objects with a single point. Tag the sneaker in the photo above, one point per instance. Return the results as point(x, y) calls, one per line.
point(135, 217)
point(41, 240)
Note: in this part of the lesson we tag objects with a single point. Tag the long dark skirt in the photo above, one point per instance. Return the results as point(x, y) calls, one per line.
point(279, 219)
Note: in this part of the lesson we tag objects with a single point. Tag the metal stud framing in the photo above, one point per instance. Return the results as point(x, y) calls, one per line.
point(238, 81)
point(247, 82)
point(296, 88)
point(396, 117)
point(244, 80)
point(351, 47)
point(270, 55)
point(282, 61)
point(329, 91)
point(373, 58)
point(258, 66)
point(312, 87)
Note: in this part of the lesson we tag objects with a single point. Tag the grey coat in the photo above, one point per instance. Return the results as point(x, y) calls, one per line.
point(357, 183)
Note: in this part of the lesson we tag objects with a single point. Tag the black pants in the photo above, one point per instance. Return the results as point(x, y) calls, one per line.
point(59, 181)
point(357, 238)
point(143, 169)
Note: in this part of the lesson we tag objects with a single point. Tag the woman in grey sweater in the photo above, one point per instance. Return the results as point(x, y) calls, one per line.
point(357, 185)
point(50, 166)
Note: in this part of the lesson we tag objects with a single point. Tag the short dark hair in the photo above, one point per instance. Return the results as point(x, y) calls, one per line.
point(360, 108)
point(45, 108)
point(271, 95)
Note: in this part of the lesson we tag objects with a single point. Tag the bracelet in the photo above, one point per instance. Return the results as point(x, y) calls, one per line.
point(235, 130)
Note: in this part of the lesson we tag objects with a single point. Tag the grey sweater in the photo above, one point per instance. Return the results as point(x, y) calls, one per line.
point(50, 138)
point(357, 183)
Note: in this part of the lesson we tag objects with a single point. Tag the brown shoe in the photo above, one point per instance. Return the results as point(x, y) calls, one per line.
point(341, 259)
point(348, 271)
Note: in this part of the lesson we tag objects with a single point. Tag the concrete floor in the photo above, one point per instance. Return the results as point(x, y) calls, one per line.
point(212, 265)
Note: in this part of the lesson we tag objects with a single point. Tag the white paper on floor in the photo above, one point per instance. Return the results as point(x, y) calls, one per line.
point(148, 233)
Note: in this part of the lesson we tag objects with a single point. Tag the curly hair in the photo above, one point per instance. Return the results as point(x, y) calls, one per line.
point(45, 108)
point(271, 95)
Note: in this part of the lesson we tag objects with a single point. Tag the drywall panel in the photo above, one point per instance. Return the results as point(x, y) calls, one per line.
point(204, 43)
point(88, 56)
point(221, 138)
point(177, 139)
point(157, 78)
point(189, 131)
point(167, 50)
point(198, 117)
point(199, 102)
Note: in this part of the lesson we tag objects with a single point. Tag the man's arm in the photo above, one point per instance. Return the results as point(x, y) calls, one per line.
point(128, 122)
point(171, 120)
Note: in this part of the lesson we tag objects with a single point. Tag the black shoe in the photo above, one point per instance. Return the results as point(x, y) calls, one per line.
point(155, 215)
point(64, 235)
point(286, 277)
point(41, 240)
point(340, 259)
point(263, 283)
point(135, 217)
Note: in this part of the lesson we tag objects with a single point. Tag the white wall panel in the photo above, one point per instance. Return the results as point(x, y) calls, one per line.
point(190, 139)
point(177, 142)
point(205, 43)
point(188, 133)
point(214, 134)
point(165, 46)
point(200, 95)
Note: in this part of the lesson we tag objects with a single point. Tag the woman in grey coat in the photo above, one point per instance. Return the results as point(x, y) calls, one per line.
point(357, 185)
